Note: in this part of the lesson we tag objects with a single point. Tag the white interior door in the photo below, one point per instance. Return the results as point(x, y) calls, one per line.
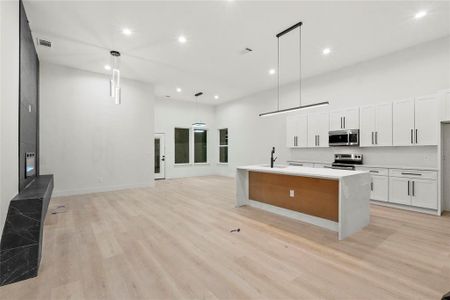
point(160, 156)
point(446, 165)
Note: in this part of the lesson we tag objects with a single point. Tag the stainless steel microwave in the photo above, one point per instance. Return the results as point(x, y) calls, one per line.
point(348, 137)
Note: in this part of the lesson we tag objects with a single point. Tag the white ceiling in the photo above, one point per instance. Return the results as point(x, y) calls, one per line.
point(83, 32)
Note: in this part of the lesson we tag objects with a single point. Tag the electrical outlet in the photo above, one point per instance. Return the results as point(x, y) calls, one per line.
point(291, 193)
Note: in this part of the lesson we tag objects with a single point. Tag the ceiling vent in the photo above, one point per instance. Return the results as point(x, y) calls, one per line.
point(44, 43)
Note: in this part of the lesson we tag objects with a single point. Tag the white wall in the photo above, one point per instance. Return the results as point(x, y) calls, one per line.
point(172, 113)
point(9, 104)
point(416, 71)
point(89, 143)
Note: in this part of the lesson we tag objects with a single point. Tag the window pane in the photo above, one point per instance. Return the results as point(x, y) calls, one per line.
point(223, 136)
point(223, 154)
point(157, 154)
point(200, 146)
point(181, 145)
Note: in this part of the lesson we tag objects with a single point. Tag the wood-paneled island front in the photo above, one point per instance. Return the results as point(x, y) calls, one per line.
point(334, 199)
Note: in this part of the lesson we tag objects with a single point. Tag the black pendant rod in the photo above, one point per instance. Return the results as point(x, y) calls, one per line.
point(289, 29)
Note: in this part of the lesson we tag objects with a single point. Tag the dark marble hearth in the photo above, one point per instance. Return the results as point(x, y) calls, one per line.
point(21, 243)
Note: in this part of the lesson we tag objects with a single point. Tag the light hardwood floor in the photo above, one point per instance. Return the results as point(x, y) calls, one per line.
point(173, 241)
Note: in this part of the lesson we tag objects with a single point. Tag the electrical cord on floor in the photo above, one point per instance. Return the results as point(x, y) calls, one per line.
point(235, 230)
point(60, 209)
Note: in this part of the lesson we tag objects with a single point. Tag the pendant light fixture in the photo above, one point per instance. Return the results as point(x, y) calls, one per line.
point(300, 106)
point(198, 125)
point(114, 87)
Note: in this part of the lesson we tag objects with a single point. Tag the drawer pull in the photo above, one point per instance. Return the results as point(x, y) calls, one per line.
point(413, 174)
point(374, 171)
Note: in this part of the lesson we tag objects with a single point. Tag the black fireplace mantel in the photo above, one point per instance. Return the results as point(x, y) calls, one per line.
point(21, 241)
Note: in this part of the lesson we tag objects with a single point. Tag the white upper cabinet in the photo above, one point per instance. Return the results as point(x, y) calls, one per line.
point(376, 125)
point(344, 119)
point(368, 126)
point(416, 121)
point(426, 120)
point(318, 124)
point(403, 122)
point(297, 131)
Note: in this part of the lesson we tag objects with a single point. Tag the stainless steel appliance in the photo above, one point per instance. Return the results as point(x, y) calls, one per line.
point(346, 161)
point(348, 137)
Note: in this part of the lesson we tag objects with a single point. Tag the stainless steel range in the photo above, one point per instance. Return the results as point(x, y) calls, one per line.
point(347, 161)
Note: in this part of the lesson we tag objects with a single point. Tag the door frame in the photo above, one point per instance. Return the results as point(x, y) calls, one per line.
point(162, 161)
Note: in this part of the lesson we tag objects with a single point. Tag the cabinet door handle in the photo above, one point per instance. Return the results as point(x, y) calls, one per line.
point(344, 122)
point(374, 171)
point(413, 174)
point(376, 137)
point(341, 122)
point(371, 186)
point(413, 189)
point(408, 188)
point(412, 136)
point(372, 137)
point(315, 140)
point(416, 136)
point(318, 140)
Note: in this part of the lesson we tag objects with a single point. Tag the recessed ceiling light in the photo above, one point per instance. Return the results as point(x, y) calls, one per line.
point(107, 67)
point(420, 14)
point(182, 39)
point(127, 31)
point(326, 51)
point(272, 71)
point(216, 97)
point(179, 90)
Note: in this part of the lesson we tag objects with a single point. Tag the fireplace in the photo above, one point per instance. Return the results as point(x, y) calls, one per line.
point(30, 164)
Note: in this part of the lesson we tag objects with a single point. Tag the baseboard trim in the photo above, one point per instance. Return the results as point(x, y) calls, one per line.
point(100, 189)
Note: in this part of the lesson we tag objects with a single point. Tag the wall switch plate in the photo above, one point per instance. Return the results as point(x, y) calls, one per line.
point(291, 193)
point(29, 108)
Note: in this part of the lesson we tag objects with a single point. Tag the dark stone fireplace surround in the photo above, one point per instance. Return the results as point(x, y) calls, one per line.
point(21, 240)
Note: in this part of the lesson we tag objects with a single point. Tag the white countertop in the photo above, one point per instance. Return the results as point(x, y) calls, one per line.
point(369, 166)
point(303, 171)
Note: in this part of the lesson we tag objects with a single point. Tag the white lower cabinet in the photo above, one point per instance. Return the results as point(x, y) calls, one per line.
point(379, 188)
point(415, 188)
point(399, 190)
point(424, 193)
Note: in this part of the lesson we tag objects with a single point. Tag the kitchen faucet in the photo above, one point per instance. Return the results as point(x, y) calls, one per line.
point(272, 160)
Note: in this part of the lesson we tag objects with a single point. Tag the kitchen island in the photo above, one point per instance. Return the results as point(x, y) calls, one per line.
point(334, 199)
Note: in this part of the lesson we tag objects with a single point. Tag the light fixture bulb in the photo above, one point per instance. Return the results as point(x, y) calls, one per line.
point(127, 31)
point(179, 90)
point(107, 67)
point(182, 39)
point(420, 14)
point(272, 71)
point(216, 97)
point(326, 51)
